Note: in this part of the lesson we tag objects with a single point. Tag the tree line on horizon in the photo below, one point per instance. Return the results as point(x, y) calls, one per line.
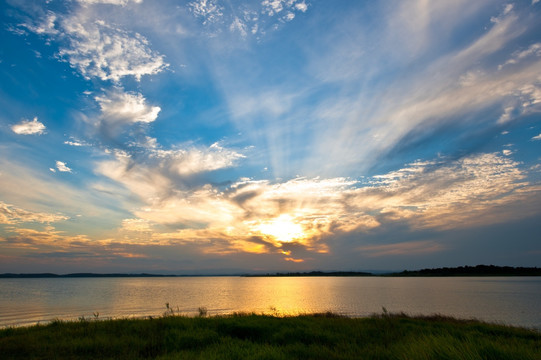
point(478, 270)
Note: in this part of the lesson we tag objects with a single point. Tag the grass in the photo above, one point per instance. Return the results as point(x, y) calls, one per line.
point(251, 336)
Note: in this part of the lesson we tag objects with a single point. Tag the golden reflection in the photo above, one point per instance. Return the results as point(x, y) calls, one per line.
point(282, 228)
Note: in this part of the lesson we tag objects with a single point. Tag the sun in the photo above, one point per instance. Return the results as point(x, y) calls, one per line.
point(282, 228)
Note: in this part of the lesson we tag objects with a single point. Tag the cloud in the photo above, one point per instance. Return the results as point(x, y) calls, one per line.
point(538, 137)
point(533, 50)
point(209, 10)
point(274, 7)
point(96, 48)
point(26, 186)
point(29, 127)
point(301, 6)
point(258, 216)
point(238, 25)
point(246, 18)
point(398, 249)
point(160, 179)
point(100, 50)
point(448, 89)
point(10, 214)
point(77, 143)
point(112, 2)
point(197, 160)
point(62, 167)
point(120, 108)
point(473, 191)
point(138, 225)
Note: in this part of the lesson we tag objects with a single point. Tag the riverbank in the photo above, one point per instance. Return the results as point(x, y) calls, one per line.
point(250, 336)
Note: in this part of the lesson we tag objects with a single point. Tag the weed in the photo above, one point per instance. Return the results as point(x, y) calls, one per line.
point(202, 311)
point(316, 336)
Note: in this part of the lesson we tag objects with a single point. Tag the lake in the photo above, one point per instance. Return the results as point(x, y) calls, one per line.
point(508, 300)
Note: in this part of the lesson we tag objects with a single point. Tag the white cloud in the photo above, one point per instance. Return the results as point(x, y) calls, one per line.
point(284, 9)
point(471, 191)
point(10, 214)
point(96, 48)
point(365, 127)
point(526, 100)
point(209, 10)
point(533, 50)
point(27, 127)
point(507, 152)
point(506, 116)
point(290, 16)
point(246, 18)
point(530, 94)
point(194, 161)
point(76, 143)
point(272, 7)
point(238, 25)
point(120, 108)
point(155, 178)
point(62, 167)
point(112, 2)
point(45, 27)
point(100, 50)
point(301, 6)
point(538, 137)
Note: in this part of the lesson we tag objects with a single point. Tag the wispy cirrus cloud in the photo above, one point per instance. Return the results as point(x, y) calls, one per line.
point(460, 82)
point(29, 127)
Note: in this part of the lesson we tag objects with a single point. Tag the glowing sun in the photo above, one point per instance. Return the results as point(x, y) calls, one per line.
point(282, 228)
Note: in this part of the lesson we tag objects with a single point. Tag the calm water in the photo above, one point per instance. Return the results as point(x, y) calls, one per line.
point(514, 301)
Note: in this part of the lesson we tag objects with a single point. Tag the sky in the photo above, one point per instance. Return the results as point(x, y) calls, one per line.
point(228, 136)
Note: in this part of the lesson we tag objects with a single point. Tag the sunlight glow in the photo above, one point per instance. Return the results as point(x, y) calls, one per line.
point(282, 228)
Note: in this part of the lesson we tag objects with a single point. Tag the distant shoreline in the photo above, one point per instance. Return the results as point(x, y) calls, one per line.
point(80, 275)
point(461, 271)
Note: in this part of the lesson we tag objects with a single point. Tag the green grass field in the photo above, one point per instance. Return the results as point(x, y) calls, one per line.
point(250, 336)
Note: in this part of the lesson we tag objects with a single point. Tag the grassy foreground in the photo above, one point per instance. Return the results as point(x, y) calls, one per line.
point(250, 336)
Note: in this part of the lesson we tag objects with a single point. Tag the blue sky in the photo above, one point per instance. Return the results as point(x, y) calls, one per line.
point(213, 136)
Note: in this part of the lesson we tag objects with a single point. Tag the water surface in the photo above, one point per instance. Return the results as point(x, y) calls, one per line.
point(509, 300)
